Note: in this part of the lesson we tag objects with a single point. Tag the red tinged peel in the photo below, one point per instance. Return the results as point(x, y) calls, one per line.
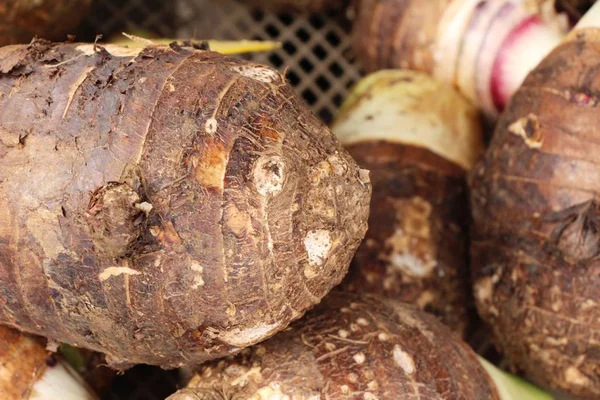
point(501, 91)
point(484, 48)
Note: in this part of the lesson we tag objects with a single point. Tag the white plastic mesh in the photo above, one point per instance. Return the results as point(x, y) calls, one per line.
point(315, 53)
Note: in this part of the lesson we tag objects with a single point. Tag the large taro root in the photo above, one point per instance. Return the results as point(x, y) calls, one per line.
point(418, 137)
point(351, 347)
point(536, 227)
point(22, 20)
point(165, 205)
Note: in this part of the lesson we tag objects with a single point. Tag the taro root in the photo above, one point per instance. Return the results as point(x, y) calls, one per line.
point(484, 48)
point(536, 222)
point(165, 205)
point(30, 372)
point(358, 347)
point(22, 20)
point(418, 138)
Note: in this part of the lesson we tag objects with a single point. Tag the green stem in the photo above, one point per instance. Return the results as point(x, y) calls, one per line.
point(511, 387)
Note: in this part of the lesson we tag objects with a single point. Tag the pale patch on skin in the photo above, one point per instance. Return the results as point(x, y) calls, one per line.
point(271, 392)
point(116, 271)
point(589, 303)
point(210, 163)
point(359, 358)
point(426, 298)
point(269, 175)
point(411, 247)
point(43, 225)
point(244, 377)
point(211, 126)
point(322, 170)
point(383, 337)
point(247, 337)
point(338, 165)
point(318, 245)
point(403, 360)
point(115, 50)
point(364, 176)
point(237, 221)
point(144, 207)
point(528, 128)
point(198, 279)
point(258, 73)
point(574, 376)
point(484, 288)
point(484, 291)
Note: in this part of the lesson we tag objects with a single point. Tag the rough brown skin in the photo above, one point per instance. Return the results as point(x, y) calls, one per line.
point(166, 208)
point(350, 347)
point(419, 213)
point(22, 20)
point(298, 6)
point(23, 359)
point(536, 223)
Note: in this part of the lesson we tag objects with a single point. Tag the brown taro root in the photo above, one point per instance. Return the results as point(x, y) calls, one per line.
point(350, 347)
point(167, 207)
point(22, 20)
point(418, 138)
point(484, 48)
point(535, 201)
point(30, 372)
point(298, 6)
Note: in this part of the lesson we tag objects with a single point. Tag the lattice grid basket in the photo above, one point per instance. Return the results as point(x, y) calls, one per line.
point(315, 57)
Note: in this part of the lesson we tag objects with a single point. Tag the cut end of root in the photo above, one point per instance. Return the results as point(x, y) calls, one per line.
point(61, 382)
point(411, 108)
